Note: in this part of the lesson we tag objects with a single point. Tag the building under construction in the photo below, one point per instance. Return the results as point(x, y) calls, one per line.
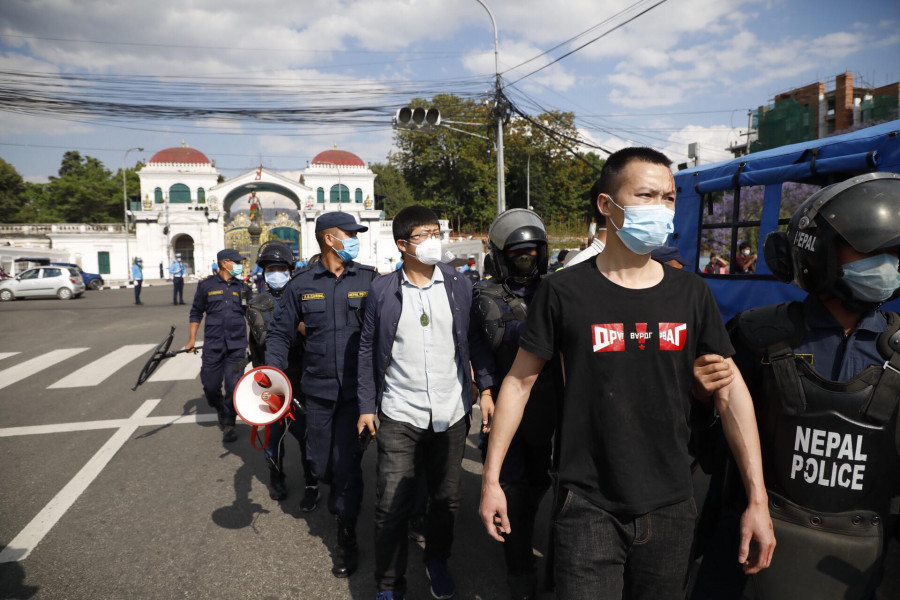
point(820, 110)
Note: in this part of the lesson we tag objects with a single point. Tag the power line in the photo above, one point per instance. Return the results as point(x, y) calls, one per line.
point(602, 35)
point(442, 53)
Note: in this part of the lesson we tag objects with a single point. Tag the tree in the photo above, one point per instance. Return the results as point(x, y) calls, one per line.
point(85, 191)
point(12, 192)
point(390, 185)
point(447, 171)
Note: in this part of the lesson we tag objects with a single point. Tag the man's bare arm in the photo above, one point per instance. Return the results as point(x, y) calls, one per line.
point(739, 423)
point(507, 415)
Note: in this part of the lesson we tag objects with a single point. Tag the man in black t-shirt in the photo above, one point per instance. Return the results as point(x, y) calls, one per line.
point(628, 329)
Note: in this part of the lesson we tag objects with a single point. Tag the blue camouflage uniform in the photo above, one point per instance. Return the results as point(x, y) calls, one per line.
point(331, 309)
point(224, 338)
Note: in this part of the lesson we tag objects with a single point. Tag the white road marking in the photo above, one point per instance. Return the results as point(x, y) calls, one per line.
point(23, 544)
point(35, 365)
point(7, 354)
point(102, 368)
point(106, 424)
point(179, 367)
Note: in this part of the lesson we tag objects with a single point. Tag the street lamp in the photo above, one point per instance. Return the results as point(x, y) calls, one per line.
point(501, 185)
point(125, 208)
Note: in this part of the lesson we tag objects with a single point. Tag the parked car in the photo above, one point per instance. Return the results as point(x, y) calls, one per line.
point(92, 281)
point(63, 282)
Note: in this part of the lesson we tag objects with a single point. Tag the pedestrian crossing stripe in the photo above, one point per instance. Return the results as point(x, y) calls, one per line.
point(101, 369)
point(181, 367)
point(35, 365)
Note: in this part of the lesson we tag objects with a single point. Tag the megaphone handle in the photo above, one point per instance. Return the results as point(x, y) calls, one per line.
point(253, 436)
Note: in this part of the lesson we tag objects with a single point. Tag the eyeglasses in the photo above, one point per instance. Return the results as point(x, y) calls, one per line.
point(424, 236)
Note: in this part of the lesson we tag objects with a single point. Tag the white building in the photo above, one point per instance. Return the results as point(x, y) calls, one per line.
point(183, 209)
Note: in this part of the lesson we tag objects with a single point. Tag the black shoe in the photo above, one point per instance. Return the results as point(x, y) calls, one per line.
point(277, 491)
point(230, 434)
point(220, 415)
point(310, 498)
point(138, 302)
point(345, 559)
point(417, 529)
point(181, 303)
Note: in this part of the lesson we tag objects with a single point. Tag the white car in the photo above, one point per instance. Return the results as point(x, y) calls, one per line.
point(63, 282)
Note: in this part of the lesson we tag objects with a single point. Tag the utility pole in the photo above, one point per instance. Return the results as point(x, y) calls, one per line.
point(125, 207)
point(501, 185)
point(749, 125)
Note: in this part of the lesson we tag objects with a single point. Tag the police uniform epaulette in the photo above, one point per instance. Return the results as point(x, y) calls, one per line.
point(302, 269)
point(366, 267)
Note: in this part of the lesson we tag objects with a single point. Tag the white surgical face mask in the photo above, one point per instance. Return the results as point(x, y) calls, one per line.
point(874, 278)
point(429, 252)
point(645, 227)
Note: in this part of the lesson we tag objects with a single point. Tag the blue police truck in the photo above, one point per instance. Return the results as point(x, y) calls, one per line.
point(725, 208)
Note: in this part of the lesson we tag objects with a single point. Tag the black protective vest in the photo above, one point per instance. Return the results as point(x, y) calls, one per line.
point(831, 460)
point(827, 445)
point(539, 421)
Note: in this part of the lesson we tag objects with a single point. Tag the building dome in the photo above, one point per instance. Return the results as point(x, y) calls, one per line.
point(342, 158)
point(181, 156)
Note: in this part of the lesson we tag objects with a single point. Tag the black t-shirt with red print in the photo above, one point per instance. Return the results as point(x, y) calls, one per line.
point(628, 357)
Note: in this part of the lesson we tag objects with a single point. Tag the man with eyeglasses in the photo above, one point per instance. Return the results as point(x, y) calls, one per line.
point(420, 333)
point(325, 301)
point(223, 298)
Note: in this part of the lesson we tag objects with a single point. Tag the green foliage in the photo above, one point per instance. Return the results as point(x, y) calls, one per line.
point(12, 192)
point(456, 175)
point(83, 192)
point(390, 185)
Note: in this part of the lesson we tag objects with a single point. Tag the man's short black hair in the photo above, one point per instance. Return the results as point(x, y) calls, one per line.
point(610, 182)
point(411, 217)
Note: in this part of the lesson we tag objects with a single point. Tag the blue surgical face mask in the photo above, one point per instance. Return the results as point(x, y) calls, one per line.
point(237, 269)
point(874, 278)
point(277, 279)
point(350, 250)
point(645, 227)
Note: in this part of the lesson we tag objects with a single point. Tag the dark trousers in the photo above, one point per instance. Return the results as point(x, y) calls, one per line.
point(525, 478)
point(404, 452)
point(332, 444)
point(218, 365)
point(275, 449)
point(137, 290)
point(178, 290)
point(601, 555)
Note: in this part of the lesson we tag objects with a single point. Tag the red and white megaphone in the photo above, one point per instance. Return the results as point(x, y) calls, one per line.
point(261, 397)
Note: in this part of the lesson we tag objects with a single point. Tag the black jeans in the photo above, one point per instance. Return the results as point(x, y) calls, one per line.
point(405, 451)
point(137, 290)
point(178, 290)
point(600, 555)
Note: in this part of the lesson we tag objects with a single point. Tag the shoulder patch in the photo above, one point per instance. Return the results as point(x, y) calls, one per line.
point(316, 296)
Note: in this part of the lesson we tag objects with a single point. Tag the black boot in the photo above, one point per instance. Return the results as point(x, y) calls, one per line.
point(277, 491)
point(346, 555)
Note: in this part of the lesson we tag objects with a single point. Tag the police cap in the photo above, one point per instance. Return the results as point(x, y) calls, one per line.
point(338, 219)
point(229, 254)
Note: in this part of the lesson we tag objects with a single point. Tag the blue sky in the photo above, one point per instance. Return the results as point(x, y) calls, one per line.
point(685, 71)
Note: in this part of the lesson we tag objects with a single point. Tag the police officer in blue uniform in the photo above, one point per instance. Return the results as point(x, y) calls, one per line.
point(223, 298)
point(824, 374)
point(328, 297)
point(178, 271)
point(275, 261)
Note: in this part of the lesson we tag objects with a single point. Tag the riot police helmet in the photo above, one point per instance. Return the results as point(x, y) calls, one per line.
point(275, 253)
point(863, 211)
point(516, 229)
